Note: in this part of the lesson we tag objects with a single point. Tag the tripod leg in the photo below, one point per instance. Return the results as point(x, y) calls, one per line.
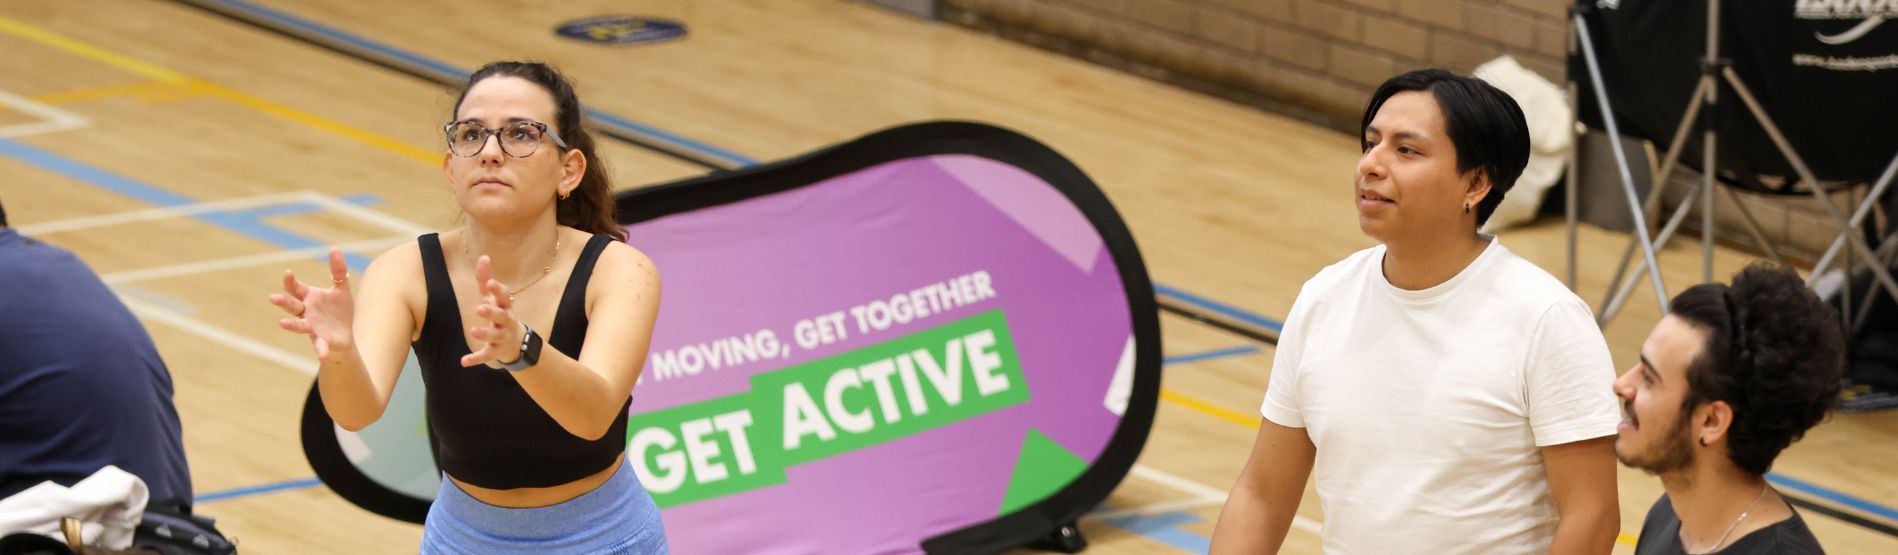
point(1613, 305)
point(1653, 204)
point(1569, 187)
point(1805, 174)
point(1858, 218)
point(1753, 228)
point(1621, 159)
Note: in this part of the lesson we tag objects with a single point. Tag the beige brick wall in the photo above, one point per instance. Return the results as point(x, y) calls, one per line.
point(1317, 59)
point(1321, 59)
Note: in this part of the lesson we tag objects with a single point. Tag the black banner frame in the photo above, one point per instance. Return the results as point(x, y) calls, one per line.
point(1044, 518)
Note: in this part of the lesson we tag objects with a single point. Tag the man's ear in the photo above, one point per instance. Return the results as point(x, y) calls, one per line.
point(1712, 421)
point(1478, 189)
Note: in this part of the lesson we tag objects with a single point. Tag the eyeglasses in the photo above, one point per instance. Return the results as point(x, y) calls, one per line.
point(518, 139)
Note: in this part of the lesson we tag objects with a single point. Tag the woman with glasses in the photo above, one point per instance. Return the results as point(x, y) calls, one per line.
point(530, 322)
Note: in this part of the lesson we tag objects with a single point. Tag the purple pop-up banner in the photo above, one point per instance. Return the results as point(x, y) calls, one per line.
point(896, 344)
point(938, 337)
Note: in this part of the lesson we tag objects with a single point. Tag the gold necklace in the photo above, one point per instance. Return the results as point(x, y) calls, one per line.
point(544, 270)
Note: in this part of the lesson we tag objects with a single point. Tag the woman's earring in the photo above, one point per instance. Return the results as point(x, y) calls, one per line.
point(1466, 208)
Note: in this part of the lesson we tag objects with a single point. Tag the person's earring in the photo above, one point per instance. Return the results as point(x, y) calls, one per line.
point(1466, 208)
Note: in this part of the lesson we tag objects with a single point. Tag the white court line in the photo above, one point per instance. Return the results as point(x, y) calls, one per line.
point(303, 364)
point(388, 222)
point(306, 365)
point(1203, 495)
point(221, 264)
point(228, 205)
point(135, 216)
point(1164, 478)
point(406, 230)
point(1158, 508)
point(55, 118)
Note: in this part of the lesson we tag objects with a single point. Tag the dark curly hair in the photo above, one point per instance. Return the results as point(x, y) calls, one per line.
point(1774, 352)
point(590, 207)
point(1485, 124)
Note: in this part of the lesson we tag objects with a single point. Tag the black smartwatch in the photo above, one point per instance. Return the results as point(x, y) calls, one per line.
point(530, 352)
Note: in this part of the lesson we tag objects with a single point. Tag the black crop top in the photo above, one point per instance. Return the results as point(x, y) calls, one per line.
point(486, 430)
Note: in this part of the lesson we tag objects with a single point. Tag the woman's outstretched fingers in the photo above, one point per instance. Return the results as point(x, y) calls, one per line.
point(501, 299)
point(479, 357)
point(339, 269)
point(292, 286)
point(289, 304)
point(483, 269)
point(294, 325)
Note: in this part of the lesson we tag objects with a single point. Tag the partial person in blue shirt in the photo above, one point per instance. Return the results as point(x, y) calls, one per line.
point(81, 384)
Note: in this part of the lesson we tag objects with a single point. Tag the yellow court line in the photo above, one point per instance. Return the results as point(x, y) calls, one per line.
point(1251, 421)
point(319, 122)
point(100, 54)
point(82, 49)
point(1210, 409)
point(141, 88)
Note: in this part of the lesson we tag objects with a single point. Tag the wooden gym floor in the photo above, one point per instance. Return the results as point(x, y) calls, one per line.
point(189, 158)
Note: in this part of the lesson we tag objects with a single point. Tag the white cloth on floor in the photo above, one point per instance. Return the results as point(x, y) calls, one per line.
point(1551, 135)
point(110, 502)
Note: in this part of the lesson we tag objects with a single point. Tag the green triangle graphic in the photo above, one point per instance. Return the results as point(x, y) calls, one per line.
point(1042, 469)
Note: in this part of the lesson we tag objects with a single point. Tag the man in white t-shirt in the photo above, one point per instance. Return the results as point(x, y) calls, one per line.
point(1450, 396)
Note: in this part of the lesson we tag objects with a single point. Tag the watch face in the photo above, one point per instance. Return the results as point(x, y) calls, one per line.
point(530, 347)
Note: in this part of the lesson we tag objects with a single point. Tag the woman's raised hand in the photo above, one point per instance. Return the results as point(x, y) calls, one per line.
point(498, 330)
point(325, 314)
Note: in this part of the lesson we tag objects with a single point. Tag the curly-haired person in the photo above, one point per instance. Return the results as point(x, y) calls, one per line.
point(1733, 375)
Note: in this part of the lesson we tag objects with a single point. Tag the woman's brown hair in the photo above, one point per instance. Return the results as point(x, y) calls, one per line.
point(590, 207)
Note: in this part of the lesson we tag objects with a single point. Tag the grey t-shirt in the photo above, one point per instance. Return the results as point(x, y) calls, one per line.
point(1661, 535)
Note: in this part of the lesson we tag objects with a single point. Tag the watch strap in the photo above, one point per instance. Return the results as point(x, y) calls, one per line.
point(530, 351)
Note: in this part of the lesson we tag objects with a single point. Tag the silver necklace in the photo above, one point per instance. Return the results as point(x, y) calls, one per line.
point(1730, 527)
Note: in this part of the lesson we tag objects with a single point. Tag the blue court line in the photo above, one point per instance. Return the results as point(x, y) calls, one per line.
point(1165, 528)
point(1222, 309)
point(230, 494)
point(1209, 355)
point(1833, 496)
point(456, 73)
point(644, 129)
point(293, 208)
point(239, 222)
point(352, 40)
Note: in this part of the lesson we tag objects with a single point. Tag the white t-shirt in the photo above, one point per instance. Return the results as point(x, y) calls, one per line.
point(1428, 408)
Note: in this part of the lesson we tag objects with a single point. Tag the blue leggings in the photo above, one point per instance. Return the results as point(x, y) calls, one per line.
point(617, 517)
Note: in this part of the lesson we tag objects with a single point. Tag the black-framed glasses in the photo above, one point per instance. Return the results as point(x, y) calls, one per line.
point(518, 138)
